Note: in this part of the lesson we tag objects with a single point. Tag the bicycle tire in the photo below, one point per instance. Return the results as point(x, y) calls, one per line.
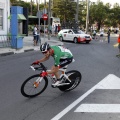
point(31, 85)
point(75, 81)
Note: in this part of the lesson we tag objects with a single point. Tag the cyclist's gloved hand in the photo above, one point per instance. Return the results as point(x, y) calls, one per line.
point(43, 74)
point(35, 63)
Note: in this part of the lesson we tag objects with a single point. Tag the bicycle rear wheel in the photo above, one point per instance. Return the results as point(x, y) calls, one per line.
point(31, 88)
point(75, 77)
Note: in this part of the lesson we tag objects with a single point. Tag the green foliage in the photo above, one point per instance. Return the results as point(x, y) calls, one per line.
point(64, 9)
point(100, 14)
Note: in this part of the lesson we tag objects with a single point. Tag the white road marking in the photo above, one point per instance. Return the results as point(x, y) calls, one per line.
point(109, 82)
point(99, 108)
point(100, 85)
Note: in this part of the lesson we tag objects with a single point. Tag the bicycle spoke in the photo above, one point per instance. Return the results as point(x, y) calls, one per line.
point(31, 87)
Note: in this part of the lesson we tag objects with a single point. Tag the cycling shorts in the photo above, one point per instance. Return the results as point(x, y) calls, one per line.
point(66, 61)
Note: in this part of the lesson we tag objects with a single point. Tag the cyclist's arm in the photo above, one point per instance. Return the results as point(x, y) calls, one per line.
point(43, 59)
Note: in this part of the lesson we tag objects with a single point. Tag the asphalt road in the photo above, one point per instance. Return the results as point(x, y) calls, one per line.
point(95, 61)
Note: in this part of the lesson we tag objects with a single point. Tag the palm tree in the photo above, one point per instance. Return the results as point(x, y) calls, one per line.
point(31, 4)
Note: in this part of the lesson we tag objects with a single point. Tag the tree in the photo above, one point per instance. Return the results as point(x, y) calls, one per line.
point(64, 9)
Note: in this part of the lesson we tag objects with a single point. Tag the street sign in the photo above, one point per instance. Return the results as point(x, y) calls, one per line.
point(39, 14)
point(45, 17)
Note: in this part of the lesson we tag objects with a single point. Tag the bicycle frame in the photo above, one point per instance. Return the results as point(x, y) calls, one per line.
point(53, 78)
point(63, 74)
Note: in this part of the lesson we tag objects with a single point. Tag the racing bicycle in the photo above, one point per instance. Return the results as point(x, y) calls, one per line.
point(35, 85)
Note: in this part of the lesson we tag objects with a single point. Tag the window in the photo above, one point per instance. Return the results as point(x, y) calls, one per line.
point(1, 19)
point(65, 32)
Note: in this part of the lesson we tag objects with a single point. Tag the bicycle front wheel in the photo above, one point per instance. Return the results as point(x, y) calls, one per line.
point(32, 87)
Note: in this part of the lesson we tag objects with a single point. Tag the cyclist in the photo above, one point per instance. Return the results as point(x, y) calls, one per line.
point(62, 57)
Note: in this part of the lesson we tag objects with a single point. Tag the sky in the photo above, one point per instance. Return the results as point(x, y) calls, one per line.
point(104, 1)
point(108, 1)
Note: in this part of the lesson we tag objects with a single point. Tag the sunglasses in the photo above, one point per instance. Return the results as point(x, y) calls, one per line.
point(44, 52)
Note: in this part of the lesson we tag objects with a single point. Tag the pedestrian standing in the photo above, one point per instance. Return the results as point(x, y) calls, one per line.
point(94, 34)
point(58, 27)
point(108, 36)
point(35, 35)
point(38, 35)
point(101, 35)
point(118, 40)
point(53, 29)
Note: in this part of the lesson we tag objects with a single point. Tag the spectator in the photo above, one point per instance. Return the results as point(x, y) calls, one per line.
point(108, 36)
point(50, 29)
point(46, 30)
point(118, 40)
point(101, 35)
point(58, 27)
point(35, 35)
point(38, 35)
point(53, 29)
point(94, 34)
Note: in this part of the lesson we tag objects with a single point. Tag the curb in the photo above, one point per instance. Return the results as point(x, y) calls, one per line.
point(22, 51)
point(27, 47)
point(7, 53)
point(11, 53)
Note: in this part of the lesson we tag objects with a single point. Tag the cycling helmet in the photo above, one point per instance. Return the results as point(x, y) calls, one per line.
point(44, 47)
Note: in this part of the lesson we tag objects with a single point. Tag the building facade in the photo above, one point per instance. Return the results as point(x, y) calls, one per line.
point(4, 14)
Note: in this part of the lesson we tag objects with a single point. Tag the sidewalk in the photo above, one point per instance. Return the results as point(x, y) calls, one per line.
point(28, 45)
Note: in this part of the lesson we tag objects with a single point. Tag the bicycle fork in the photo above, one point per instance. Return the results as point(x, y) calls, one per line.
point(37, 82)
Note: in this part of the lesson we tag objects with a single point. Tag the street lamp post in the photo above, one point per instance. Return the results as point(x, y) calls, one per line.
point(49, 15)
point(38, 2)
point(87, 16)
point(77, 11)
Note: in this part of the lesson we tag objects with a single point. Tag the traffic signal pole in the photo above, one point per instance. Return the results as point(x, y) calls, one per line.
point(49, 15)
point(38, 2)
point(87, 16)
point(77, 11)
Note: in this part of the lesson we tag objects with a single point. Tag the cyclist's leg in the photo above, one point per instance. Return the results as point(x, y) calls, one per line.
point(56, 73)
point(64, 62)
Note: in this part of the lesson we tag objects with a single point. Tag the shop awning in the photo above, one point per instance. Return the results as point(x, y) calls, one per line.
point(19, 17)
point(30, 16)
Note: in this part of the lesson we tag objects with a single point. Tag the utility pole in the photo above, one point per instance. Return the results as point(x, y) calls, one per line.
point(87, 16)
point(49, 15)
point(77, 11)
point(31, 4)
point(38, 2)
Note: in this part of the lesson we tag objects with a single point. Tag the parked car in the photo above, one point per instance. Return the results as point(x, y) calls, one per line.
point(74, 35)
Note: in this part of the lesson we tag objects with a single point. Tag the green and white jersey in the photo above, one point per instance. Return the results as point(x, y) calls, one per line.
point(60, 53)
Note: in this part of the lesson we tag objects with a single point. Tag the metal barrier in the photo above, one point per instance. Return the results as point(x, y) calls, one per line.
point(5, 41)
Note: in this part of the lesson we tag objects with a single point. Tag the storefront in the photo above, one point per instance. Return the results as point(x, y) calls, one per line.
point(4, 13)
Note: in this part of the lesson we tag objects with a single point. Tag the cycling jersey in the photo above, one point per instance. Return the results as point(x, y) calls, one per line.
point(60, 53)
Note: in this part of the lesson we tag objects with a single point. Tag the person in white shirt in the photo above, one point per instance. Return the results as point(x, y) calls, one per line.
point(94, 34)
point(35, 35)
point(101, 35)
point(53, 29)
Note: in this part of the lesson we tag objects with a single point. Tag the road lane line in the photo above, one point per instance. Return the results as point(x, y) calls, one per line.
point(71, 106)
point(99, 108)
